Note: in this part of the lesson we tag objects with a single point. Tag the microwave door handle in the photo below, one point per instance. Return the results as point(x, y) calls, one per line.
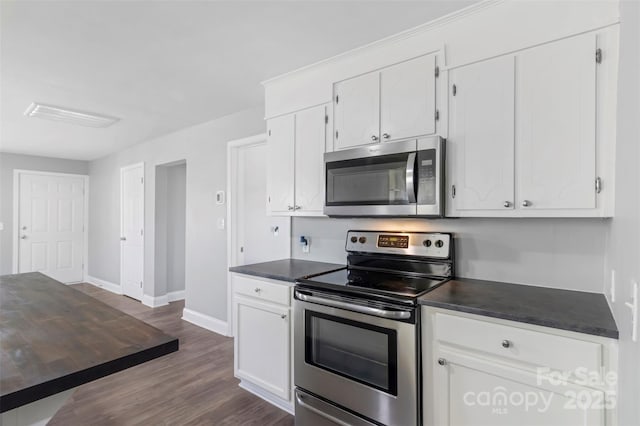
point(410, 176)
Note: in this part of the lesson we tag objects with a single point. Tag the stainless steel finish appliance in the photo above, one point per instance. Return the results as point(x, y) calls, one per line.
point(388, 179)
point(357, 330)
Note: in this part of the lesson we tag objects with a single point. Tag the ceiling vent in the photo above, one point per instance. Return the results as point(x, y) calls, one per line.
point(81, 118)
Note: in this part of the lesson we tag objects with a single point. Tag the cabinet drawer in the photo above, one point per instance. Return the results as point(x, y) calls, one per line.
point(538, 348)
point(262, 290)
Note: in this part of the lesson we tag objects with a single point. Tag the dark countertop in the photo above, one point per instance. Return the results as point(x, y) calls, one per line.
point(578, 311)
point(55, 338)
point(287, 269)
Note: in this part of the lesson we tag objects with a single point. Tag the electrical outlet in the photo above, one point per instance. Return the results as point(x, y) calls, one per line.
point(612, 288)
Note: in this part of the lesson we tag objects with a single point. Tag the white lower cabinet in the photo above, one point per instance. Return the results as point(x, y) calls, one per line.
point(262, 345)
point(484, 371)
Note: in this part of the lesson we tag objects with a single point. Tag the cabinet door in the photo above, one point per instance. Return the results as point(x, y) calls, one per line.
point(262, 345)
point(481, 135)
point(556, 125)
point(309, 170)
point(357, 111)
point(470, 390)
point(408, 99)
point(280, 164)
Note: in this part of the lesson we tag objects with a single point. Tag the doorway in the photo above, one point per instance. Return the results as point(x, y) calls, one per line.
point(50, 223)
point(252, 235)
point(132, 230)
point(170, 227)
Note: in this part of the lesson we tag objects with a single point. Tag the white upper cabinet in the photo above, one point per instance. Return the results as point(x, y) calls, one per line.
point(309, 166)
point(280, 157)
point(398, 102)
point(357, 111)
point(556, 125)
point(480, 146)
point(295, 169)
point(408, 99)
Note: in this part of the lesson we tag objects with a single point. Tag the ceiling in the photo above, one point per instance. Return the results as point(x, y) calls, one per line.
point(162, 66)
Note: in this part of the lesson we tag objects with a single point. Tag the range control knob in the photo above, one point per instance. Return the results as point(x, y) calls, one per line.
point(426, 243)
point(363, 240)
point(354, 239)
point(439, 243)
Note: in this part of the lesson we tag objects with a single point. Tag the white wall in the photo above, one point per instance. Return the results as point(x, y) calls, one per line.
point(8, 163)
point(204, 149)
point(562, 253)
point(623, 239)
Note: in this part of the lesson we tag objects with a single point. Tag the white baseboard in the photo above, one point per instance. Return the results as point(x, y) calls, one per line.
point(154, 301)
point(176, 295)
point(267, 396)
point(205, 321)
point(109, 286)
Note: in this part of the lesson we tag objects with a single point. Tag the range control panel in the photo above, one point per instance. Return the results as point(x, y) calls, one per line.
point(427, 244)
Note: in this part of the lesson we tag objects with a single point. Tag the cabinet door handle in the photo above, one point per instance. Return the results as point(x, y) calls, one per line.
point(442, 361)
point(386, 135)
point(297, 207)
point(507, 204)
point(290, 208)
point(526, 203)
point(374, 138)
point(257, 290)
point(283, 316)
point(506, 343)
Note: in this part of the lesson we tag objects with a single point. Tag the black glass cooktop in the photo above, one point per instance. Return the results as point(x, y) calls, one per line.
point(360, 281)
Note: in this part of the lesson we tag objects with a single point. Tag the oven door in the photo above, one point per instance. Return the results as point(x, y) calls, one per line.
point(358, 356)
point(372, 181)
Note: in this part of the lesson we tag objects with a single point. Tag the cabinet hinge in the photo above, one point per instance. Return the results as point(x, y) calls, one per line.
point(141, 180)
point(336, 134)
point(598, 185)
point(454, 90)
point(437, 115)
point(141, 232)
point(437, 72)
point(269, 132)
point(140, 284)
point(326, 119)
point(598, 56)
point(337, 98)
point(269, 198)
point(453, 191)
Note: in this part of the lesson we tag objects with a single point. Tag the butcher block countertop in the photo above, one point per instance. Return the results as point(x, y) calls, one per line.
point(54, 338)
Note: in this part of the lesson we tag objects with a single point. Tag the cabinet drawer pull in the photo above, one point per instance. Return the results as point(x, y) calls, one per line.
point(442, 361)
point(506, 344)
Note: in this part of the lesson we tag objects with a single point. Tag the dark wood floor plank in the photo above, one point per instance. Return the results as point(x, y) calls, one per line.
point(194, 386)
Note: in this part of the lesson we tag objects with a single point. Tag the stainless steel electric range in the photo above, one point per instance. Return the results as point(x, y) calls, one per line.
point(357, 330)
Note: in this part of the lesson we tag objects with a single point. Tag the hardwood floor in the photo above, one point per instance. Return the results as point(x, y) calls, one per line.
point(194, 386)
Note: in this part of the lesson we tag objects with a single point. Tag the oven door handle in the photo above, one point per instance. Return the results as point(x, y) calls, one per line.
point(410, 177)
point(370, 310)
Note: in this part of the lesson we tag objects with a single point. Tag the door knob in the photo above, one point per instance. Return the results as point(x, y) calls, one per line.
point(123, 238)
point(374, 138)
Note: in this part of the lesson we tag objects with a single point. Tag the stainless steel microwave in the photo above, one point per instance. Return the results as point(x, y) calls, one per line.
point(388, 179)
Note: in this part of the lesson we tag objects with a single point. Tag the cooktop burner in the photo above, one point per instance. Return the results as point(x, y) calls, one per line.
point(400, 265)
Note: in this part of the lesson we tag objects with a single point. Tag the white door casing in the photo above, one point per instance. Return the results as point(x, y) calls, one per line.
point(51, 224)
point(132, 230)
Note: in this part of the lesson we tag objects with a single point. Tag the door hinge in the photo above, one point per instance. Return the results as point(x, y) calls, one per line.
point(437, 115)
point(337, 98)
point(437, 72)
point(453, 191)
point(454, 90)
point(598, 56)
point(598, 185)
point(336, 134)
point(326, 119)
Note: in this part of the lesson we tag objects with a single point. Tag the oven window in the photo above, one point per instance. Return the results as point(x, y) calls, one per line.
point(358, 351)
point(368, 181)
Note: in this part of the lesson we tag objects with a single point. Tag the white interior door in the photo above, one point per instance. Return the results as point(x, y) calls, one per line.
point(51, 225)
point(132, 230)
point(258, 241)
